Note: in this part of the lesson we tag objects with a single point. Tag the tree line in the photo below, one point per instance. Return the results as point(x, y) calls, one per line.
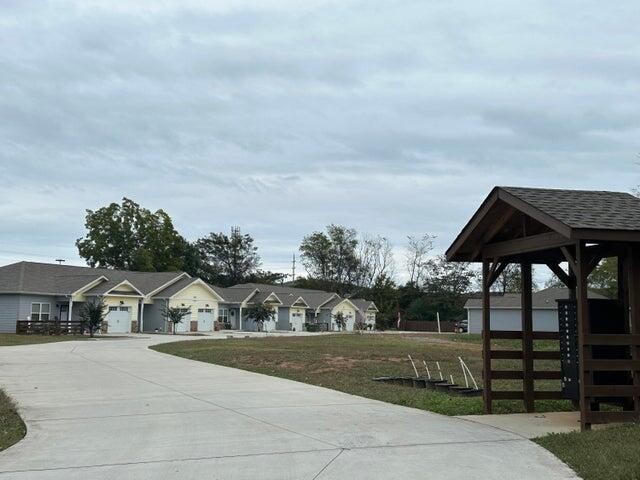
point(129, 237)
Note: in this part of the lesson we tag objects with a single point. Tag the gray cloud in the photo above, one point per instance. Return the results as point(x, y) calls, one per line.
point(394, 117)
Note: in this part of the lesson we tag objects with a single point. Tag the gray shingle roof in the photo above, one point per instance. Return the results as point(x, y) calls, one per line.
point(363, 304)
point(584, 208)
point(48, 278)
point(541, 300)
point(233, 295)
point(175, 287)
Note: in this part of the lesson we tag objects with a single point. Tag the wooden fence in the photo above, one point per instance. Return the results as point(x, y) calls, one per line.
point(53, 327)
point(426, 326)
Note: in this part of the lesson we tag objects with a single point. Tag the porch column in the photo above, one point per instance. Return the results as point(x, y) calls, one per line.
point(486, 337)
point(141, 319)
point(527, 336)
point(70, 314)
point(240, 318)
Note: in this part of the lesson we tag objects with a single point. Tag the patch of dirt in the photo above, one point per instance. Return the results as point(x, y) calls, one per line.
point(291, 365)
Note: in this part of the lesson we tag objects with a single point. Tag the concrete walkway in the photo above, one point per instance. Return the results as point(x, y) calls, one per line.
point(112, 409)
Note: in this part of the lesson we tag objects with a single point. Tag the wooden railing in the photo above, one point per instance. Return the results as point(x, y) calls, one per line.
point(528, 377)
point(49, 327)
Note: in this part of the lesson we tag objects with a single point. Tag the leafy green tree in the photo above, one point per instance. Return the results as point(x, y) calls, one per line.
point(228, 259)
point(510, 280)
point(451, 278)
point(174, 315)
point(93, 314)
point(604, 278)
point(259, 313)
point(341, 322)
point(128, 237)
point(384, 294)
point(332, 257)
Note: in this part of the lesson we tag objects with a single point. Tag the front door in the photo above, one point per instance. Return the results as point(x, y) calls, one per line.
point(119, 319)
point(64, 313)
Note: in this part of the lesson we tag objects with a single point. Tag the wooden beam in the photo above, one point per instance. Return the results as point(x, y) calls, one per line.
point(534, 213)
point(533, 243)
point(527, 335)
point(486, 338)
point(570, 260)
point(562, 275)
point(584, 329)
point(496, 270)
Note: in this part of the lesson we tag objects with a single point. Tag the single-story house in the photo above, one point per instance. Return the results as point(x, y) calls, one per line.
point(135, 301)
point(366, 312)
point(43, 291)
point(506, 310)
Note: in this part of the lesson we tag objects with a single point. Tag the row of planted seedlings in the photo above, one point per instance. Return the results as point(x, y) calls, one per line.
point(438, 381)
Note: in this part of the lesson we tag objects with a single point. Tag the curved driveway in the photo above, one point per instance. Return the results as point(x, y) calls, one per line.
point(113, 409)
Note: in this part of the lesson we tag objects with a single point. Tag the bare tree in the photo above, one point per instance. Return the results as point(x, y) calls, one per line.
point(416, 257)
point(375, 255)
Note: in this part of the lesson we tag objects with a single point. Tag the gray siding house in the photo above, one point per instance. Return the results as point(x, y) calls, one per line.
point(506, 310)
point(32, 291)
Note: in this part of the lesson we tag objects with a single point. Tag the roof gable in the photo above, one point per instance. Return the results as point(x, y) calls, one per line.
point(550, 217)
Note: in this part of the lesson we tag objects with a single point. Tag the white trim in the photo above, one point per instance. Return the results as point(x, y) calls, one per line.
point(168, 284)
point(89, 285)
point(199, 281)
point(333, 295)
point(124, 282)
point(293, 305)
point(345, 300)
point(244, 302)
point(274, 294)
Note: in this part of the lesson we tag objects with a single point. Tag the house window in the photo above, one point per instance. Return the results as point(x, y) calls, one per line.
point(40, 311)
point(223, 315)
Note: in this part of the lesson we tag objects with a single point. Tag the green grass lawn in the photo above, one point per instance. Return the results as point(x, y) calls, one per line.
point(612, 453)
point(348, 362)
point(12, 428)
point(7, 339)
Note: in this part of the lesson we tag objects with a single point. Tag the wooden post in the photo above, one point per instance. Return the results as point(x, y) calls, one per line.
point(527, 336)
point(584, 352)
point(633, 286)
point(486, 337)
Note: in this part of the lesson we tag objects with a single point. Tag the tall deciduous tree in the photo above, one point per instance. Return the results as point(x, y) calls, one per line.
point(332, 256)
point(375, 255)
point(228, 259)
point(417, 257)
point(129, 237)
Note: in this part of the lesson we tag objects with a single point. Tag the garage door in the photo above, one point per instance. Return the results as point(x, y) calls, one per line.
point(185, 325)
point(205, 319)
point(119, 319)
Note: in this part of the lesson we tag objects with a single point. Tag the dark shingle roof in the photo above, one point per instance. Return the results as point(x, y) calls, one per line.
point(584, 208)
point(233, 295)
point(48, 278)
point(175, 287)
point(541, 300)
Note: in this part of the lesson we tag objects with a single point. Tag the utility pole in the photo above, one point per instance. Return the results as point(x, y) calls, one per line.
point(293, 268)
point(60, 260)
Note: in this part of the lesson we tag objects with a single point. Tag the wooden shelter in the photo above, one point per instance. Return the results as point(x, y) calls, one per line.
point(529, 226)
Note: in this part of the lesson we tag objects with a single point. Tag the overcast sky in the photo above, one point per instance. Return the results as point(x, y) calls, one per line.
point(392, 117)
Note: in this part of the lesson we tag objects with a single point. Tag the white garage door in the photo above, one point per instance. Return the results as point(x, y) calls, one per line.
point(185, 325)
point(119, 319)
point(205, 319)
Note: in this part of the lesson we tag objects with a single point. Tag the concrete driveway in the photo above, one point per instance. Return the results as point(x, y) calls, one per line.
point(112, 409)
